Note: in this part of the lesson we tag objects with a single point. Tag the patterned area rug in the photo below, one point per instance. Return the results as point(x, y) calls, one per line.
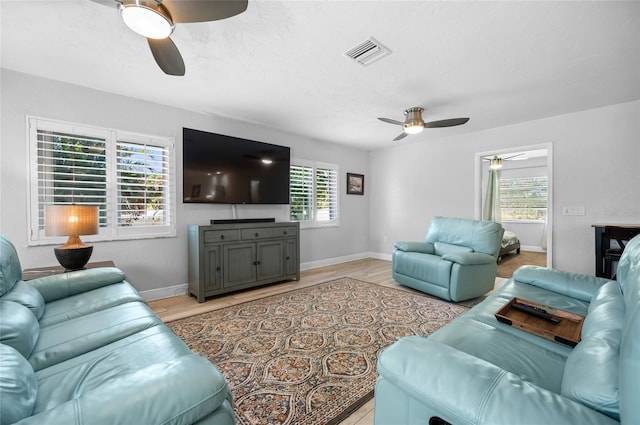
point(309, 356)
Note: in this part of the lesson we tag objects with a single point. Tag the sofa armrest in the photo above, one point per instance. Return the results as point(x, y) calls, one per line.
point(423, 247)
point(470, 258)
point(184, 390)
point(463, 389)
point(575, 285)
point(65, 285)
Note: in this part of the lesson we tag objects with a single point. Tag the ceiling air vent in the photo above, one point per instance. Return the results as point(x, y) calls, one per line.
point(367, 52)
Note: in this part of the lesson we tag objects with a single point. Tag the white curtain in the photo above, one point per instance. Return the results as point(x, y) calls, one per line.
point(491, 210)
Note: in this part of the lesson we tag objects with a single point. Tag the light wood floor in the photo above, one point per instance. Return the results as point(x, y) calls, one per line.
point(370, 270)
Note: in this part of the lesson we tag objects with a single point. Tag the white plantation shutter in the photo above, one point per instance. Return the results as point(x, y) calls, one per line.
point(326, 194)
point(301, 192)
point(131, 181)
point(70, 169)
point(314, 193)
point(143, 184)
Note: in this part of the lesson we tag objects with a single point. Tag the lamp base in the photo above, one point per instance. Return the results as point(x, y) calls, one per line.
point(73, 258)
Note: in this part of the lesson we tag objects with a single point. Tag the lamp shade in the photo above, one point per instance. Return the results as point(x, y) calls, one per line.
point(70, 220)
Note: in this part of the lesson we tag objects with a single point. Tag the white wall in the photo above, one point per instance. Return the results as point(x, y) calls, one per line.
point(595, 164)
point(159, 263)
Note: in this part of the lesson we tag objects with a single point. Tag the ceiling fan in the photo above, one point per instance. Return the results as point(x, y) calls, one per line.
point(414, 124)
point(496, 161)
point(156, 19)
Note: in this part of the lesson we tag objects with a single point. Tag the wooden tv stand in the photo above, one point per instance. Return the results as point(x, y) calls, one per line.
point(230, 257)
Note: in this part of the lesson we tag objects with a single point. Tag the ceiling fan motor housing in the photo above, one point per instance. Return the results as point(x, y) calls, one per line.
point(413, 122)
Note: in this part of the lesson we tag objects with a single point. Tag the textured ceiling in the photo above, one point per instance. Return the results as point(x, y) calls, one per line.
point(281, 63)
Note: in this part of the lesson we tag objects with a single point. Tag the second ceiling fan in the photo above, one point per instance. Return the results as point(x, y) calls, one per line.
point(414, 124)
point(156, 19)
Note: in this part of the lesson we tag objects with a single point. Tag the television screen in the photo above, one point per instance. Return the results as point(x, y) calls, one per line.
point(231, 170)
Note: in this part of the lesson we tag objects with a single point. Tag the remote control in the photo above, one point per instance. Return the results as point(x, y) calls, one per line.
point(536, 311)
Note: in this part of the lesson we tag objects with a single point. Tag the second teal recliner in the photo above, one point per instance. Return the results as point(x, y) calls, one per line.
point(456, 262)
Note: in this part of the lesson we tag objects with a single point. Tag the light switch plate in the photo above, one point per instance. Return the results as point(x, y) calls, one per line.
point(573, 210)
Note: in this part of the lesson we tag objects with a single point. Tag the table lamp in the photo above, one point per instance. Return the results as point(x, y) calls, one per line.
point(73, 221)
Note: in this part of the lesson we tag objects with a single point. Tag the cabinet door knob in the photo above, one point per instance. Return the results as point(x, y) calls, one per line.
point(257, 235)
point(288, 258)
point(255, 263)
point(218, 268)
point(285, 232)
point(221, 236)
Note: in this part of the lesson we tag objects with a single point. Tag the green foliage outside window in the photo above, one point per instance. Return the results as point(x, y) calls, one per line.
point(523, 198)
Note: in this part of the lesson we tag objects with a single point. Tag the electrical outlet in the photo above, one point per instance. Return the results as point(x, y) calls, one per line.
point(572, 210)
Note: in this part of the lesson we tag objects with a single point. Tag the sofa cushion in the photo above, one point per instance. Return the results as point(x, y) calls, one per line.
point(28, 296)
point(88, 302)
point(606, 310)
point(64, 285)
point(18, 327)
point(443, 248)
point(591, 373)
point(18, 387)
point(10, 269)
point(65, 340)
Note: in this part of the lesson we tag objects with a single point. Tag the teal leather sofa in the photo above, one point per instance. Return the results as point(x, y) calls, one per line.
point(457, 260)
point(84, 348)
point(476, 370)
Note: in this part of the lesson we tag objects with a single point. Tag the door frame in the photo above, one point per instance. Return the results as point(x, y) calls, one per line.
point(510, 150)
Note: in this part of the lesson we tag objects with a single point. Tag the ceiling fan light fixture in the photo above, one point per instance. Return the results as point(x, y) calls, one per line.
point(413, 128)
point(496, 163)
point(149, 19)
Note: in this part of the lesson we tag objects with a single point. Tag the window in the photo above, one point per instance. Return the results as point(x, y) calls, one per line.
point(314, 193)
point(523, 198)
point(128, 176)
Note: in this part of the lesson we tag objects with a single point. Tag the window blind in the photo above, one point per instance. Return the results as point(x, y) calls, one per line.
point(314, 193)
point(71, 169)
point(142, 182)
point(524, 198)
point(129, 176)
point(301, 192)
point(326, 194)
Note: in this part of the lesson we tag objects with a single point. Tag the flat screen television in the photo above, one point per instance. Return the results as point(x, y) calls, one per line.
point(230, 170)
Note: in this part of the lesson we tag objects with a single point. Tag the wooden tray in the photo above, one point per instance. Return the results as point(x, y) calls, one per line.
point(566, 331)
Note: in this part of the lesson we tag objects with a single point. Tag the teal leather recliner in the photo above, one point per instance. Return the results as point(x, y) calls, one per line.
point(84, 348)
point(456, 262)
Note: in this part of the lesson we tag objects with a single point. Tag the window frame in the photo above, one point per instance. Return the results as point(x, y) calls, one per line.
point(111, 231)
point(314, 222)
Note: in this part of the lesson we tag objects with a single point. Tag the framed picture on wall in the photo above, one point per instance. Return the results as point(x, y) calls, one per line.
point(355, 184)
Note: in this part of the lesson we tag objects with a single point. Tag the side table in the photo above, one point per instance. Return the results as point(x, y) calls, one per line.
point(34, 273)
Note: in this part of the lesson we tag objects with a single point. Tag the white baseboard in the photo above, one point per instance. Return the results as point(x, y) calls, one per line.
point(331, 261)
point(531, 248)
point(167, 292)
